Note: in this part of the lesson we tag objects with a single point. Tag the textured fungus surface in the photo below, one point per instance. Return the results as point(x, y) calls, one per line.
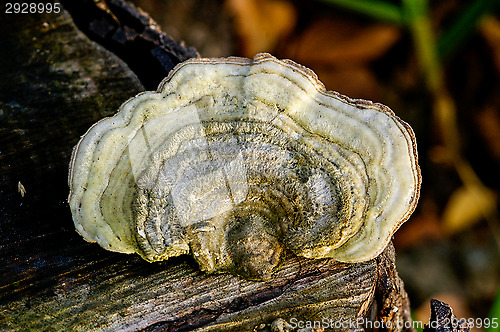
point(236, 160)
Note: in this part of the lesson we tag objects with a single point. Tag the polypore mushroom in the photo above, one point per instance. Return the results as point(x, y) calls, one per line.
point(235, 160)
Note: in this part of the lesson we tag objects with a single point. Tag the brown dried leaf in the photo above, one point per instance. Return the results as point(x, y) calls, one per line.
point(261, 24)
point(343, 42)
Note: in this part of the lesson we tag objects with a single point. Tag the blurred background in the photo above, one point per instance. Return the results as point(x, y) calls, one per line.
point(436, 64)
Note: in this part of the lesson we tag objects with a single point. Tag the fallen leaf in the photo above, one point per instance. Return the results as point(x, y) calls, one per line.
point(466, 206)
point(343, 42)
point(261, 24)
point(340, 51)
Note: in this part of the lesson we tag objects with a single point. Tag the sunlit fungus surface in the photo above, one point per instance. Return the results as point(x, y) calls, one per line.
point(235, 161)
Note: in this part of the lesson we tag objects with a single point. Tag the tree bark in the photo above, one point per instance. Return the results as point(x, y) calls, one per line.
point(56, 82)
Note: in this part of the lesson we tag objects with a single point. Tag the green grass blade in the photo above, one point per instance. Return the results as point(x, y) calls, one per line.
point(495, 313)
point(463, 26)
point(377, 9)
point(417, 15)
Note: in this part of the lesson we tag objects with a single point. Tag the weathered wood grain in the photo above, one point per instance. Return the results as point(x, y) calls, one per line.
point(178, 297)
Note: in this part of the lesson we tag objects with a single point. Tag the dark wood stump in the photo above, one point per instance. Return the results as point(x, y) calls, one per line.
point(443, 320)
point(56, 82)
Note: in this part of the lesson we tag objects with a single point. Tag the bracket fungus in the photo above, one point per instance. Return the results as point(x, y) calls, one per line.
point(235, 160)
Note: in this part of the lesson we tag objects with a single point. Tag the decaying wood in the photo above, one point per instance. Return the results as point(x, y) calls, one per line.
point(55, 84)
point(132, 35)
point(443, 319)
point(390, 294)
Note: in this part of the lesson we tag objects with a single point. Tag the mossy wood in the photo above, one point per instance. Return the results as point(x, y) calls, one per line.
point(55, 84)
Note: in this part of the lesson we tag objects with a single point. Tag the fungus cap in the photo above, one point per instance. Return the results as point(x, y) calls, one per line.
point(235, 160)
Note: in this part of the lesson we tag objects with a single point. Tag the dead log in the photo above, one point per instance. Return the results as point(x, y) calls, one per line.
point(56, 82)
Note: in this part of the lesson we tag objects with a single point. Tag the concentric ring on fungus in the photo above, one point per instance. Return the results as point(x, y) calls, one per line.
point(235, 160)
